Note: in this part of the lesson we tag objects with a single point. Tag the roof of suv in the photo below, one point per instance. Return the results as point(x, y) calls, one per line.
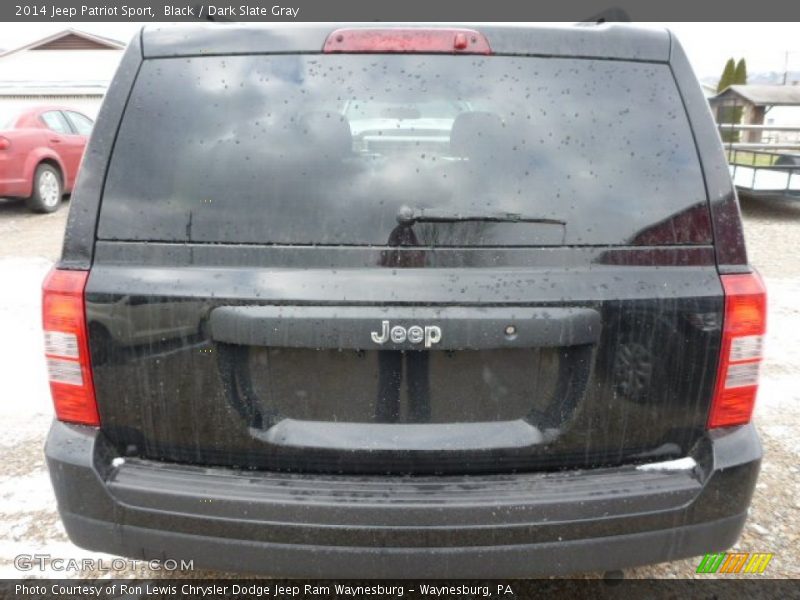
point(607, 40)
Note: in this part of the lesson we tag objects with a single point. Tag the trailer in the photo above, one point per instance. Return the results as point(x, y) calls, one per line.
point(764, 170)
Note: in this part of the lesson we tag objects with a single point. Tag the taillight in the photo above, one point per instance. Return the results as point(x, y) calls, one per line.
point(5, 143)
point(407, 40)
point(66, 347)
point(743, 329)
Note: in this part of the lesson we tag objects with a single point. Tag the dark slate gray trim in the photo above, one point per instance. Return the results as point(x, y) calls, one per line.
point(337, 327)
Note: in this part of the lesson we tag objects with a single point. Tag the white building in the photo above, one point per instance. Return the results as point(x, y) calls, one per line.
point(71, 68)
point(762, 104)
point(708, 89)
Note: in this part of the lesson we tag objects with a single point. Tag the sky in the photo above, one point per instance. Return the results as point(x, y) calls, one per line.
point(708, 45)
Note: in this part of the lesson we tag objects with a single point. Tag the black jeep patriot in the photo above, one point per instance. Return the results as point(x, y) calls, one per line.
point(404, 300)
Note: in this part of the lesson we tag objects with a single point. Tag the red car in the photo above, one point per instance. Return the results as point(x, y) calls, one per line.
point(40, 152)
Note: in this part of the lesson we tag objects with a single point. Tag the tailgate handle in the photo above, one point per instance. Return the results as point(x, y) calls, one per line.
point(361, 328)
point(423, 437)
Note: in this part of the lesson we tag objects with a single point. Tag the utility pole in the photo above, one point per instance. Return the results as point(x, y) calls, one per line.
point(785, 66)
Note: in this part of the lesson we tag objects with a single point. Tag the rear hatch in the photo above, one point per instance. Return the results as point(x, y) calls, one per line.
point(404, 263)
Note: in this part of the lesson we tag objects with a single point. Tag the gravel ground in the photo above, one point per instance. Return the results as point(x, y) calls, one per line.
point(28, 519)
point(23, 233)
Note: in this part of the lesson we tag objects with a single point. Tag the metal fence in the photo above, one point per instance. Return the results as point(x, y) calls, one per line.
point(764, 169)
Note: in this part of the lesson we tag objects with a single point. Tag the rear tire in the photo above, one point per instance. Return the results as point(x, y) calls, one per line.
point(47, 190)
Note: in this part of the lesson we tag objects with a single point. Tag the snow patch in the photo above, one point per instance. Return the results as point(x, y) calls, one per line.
point(777, 395)
point(26, 402)
point(26, 494)
point(680, 464)
point(781, 350)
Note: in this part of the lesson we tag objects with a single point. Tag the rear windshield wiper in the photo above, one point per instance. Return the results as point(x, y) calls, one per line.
point(408, 216)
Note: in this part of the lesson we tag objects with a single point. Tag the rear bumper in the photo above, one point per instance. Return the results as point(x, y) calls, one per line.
point(429, 527)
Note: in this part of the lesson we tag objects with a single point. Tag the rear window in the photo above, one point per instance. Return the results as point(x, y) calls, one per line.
point(329, 149)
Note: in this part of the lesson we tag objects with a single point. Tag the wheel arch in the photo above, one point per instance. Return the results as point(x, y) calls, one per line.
point(39, 157)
